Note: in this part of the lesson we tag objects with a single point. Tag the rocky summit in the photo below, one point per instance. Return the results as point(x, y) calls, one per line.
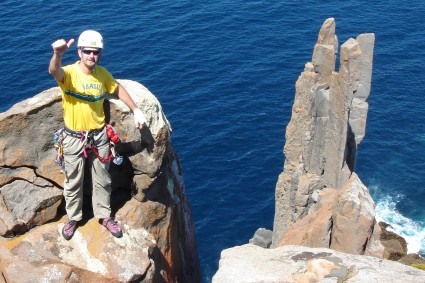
point(148, 200)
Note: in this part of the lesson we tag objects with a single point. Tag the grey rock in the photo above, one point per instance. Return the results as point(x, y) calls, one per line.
point(328, 123)
point(26, 204)
point(250, 263)
point(262, 238)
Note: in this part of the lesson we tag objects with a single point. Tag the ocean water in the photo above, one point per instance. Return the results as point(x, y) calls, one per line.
point(225, 75)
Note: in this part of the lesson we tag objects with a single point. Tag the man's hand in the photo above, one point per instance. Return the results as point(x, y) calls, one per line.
point(60, 46)
point(139, 118)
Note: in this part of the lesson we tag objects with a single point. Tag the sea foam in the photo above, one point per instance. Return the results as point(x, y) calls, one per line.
point(412, 231)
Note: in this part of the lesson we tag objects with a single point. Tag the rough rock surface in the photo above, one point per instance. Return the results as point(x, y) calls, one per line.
point(351, 208)
point(297, 264)
point(148, 200)
point(395, 245)
point(318, 195)
point(410, 259)
point(262, 238)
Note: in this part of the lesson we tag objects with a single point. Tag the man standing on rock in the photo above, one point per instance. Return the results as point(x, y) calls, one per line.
point(84, 86)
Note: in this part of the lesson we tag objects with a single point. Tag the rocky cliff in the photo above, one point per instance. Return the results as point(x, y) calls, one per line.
point(320, 201)
point(148, 199)
point(324, 227)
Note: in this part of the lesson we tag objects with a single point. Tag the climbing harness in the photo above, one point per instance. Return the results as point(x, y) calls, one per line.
point(87, 137)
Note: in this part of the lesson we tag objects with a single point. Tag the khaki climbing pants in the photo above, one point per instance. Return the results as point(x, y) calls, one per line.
point(75, 161)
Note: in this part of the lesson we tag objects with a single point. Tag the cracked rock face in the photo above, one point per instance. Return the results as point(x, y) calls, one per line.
point(148, 200)
point(318, 194)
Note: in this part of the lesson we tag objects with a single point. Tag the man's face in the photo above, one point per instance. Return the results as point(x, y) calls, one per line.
point(90, 56)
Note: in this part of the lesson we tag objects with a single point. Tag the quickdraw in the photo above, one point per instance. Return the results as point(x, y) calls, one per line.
point(57, 139)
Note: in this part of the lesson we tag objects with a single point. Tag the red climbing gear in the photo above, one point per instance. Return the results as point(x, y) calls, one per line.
point(112, 134)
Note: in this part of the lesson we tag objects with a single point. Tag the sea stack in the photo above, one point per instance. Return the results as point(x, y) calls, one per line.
point(320, 200)
point(325, 217)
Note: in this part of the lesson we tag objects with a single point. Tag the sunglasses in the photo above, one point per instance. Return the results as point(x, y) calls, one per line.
point(88, 52)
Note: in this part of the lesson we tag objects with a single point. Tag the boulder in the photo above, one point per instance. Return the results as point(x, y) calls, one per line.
point(338, 220)
point(262, 238)
point(353, 218)
point(148, 200)
point(395, 246)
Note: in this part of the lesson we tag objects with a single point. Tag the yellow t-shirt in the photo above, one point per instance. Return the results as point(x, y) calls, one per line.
point(83, 96)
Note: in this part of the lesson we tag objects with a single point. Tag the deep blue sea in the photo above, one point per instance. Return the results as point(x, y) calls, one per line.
point(225, 72)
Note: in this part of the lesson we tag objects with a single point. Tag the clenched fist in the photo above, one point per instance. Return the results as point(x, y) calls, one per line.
point(60, 46)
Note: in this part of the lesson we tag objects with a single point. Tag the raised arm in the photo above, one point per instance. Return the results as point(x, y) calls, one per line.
point(55, 66)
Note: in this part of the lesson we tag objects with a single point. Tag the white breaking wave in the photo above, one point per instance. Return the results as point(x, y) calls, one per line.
point(412, 231)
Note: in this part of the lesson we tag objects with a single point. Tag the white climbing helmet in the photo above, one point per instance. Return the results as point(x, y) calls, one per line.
point(90, 38)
